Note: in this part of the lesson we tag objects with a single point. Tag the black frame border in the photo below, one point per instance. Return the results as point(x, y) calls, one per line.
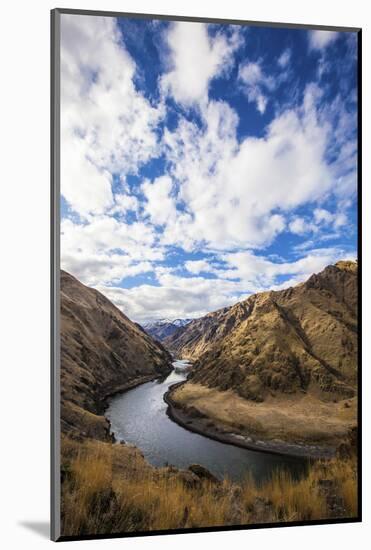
point(55, 269)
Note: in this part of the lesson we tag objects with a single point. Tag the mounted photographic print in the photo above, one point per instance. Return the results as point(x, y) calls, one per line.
point(205, 274)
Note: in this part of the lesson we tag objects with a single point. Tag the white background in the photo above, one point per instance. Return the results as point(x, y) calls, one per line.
point(24, 271)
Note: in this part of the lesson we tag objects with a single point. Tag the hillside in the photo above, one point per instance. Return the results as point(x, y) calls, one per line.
point(199, 335)
point(110, 488)
point(278, 349)
point(102, 351)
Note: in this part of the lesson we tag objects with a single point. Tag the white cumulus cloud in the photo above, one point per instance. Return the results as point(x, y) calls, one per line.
point(256, 84)
point(284, 59)
point(321, 39)
point(198, 266)
point(215, 190)
point(107, 125)
point(159, 204)
point(105, 250)
point(195, 58)
point(239, 194)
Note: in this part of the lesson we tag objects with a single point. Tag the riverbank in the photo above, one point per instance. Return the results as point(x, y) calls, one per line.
point(111, 488)
point(110, 394)
point(122, 388)
point(219, 416)
point(139, 418)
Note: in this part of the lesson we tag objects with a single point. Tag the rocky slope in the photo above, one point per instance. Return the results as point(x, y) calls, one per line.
point(278, 349)
point(163, 328)
point(102, 351)
point(198, 336)
point(283, 341)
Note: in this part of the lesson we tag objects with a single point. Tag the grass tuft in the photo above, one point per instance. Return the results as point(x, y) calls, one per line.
point(104, 492)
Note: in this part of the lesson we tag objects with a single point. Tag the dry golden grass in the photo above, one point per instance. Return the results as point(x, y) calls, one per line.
point(96, 501)
point(345, 475)
point(348, 491)
point(300, 418)
point(98, 497)
point(289, 500)
point(169, 504)
point(87, 480)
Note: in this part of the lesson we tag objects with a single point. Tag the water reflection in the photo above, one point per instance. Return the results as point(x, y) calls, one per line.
point(139, 417)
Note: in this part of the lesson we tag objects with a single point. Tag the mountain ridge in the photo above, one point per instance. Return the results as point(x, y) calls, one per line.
point(277, 346)
point(162, 328)
point(324, 293)
point(102, 352)
point(274, 353)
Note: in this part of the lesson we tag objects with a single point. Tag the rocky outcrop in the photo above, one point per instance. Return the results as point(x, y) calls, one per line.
point(102, 352)
point(203, 473)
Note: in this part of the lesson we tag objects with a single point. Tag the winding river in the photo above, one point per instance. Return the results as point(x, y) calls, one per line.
point(139, 417)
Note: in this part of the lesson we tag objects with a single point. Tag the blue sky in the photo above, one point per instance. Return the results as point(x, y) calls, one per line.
point(202, 163)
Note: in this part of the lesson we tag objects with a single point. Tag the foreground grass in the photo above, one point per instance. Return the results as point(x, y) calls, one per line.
point(110, 488)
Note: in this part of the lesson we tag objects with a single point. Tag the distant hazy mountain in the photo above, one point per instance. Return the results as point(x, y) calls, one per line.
point(164, 327)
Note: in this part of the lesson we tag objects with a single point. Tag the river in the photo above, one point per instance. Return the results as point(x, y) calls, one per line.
point(139, 417)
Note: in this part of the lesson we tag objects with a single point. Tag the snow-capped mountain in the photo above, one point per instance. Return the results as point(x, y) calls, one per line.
point(162, 328)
